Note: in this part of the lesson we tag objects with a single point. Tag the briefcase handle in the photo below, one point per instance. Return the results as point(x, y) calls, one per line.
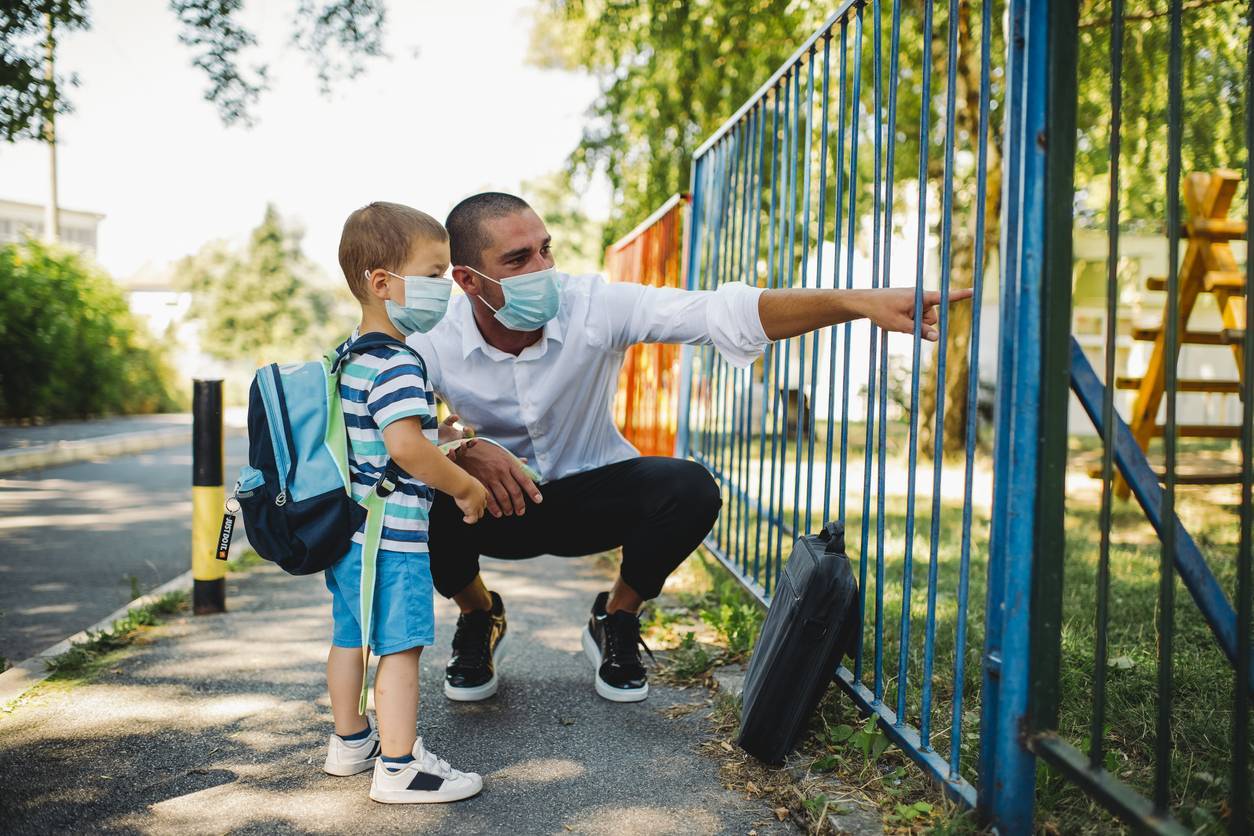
point(834, 535)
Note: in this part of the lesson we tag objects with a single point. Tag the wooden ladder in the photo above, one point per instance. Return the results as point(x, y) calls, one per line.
point(1209, 267)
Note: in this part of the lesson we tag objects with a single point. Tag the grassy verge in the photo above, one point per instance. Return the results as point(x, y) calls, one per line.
point(842, 743)
point(245, 561)
point(84, 659)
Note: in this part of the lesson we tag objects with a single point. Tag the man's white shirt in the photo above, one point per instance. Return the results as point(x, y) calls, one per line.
point(552, 404)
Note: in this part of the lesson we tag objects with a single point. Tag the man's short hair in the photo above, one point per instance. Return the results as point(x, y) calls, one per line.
point(382, 235)
point(467, 239)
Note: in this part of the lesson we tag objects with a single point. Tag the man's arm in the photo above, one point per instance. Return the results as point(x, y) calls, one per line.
point(791, 312)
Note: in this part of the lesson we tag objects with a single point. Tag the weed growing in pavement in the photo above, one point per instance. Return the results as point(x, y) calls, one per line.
point(135, 590)
point(247, 560)
point(83, 658)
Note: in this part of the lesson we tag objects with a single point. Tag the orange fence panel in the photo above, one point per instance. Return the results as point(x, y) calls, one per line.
point(646, 407)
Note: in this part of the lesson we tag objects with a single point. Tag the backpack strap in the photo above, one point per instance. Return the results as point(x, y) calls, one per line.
point(375, 501)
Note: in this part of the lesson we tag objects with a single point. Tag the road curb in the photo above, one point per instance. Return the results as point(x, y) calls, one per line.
point(23, 676)
point(67, 452)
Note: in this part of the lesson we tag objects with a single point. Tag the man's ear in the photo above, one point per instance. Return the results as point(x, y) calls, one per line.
point(467, 280)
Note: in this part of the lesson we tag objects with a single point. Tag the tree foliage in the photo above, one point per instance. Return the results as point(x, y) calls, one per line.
point(27, 96)
point(69, 345)
point(338, 37)
point(671, 71)
point(263, 304)
point(1213, 94)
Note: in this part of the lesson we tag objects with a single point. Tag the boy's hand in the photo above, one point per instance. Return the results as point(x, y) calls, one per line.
point(892, 309)
point(449, 431)
point(472, 500)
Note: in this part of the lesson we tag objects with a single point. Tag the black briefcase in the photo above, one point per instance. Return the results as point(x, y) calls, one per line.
point(813, 622)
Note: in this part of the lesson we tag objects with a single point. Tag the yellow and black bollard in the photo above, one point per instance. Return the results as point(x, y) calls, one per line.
point(208, 496)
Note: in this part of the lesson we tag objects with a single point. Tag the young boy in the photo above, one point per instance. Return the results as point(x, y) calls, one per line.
point(394, 259)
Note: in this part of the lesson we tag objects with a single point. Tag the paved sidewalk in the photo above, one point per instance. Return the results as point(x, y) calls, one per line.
point(219, 724)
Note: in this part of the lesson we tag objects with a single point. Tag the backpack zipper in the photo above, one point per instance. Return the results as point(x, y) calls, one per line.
point(278, 427)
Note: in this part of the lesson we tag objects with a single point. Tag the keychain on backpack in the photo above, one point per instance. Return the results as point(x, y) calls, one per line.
point(228, 527)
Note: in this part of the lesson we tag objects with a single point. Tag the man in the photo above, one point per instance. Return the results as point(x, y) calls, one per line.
point(530, 357)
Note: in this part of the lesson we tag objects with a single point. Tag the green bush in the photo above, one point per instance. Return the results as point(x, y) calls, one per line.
point(69, 345)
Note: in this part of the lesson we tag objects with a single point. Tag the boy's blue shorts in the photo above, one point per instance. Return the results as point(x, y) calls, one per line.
point(404, 614)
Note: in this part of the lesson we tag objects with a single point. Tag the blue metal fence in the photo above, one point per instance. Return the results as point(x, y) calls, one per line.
point(801, 188)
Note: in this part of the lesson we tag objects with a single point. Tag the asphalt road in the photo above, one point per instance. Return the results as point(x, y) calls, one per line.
point(14, 437)
point(72, 538)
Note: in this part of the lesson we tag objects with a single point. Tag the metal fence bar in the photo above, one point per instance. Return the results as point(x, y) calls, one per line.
point(973, 392)
point(938, 433)
point(849, 247)
point(894, 75)
point(1097, 728)
point(1171, 334)
point(1240, 780)
point(867, 447)
point(925, 97)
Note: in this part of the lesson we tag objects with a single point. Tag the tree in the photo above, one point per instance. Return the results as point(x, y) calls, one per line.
point(262, 305)
point(337, 36)
point(69, 346)
point(576, 238)
point(671, 72)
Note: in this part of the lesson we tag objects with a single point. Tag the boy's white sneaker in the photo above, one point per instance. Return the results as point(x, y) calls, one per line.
point(348, 757)
point(426, 779)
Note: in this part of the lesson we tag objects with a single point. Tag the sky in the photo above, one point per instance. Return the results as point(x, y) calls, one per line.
point(455, 111)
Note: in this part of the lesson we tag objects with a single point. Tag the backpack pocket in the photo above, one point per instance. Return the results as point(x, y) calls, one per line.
point(302, 537)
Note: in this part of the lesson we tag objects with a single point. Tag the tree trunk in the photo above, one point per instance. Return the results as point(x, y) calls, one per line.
point(962, 249)
point(52, 212)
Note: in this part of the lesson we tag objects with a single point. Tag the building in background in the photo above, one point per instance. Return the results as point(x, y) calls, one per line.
point(19, 220)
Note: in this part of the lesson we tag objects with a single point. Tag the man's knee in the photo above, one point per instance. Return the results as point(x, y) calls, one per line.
point(691, 488)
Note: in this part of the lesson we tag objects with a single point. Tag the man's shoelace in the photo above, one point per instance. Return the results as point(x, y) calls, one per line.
point(622, 637)
point(471, 641)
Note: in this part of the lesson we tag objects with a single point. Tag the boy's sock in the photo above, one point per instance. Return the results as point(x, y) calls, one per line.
point(361, 735)
point(395, 764)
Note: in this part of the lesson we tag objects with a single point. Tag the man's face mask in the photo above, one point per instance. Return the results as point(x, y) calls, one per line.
point(426, 300)
point(531, 299)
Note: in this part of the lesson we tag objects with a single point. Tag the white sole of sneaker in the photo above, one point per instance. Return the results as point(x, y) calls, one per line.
point(343, 770)
point(604, 689)
point(424, 796)
point(479, 692)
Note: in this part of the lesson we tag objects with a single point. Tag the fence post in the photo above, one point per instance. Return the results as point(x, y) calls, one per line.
point(1040, 94)
point(208, 496)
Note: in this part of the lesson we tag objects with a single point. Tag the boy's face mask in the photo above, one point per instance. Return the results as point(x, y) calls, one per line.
point(426, 300)
point(531, 299)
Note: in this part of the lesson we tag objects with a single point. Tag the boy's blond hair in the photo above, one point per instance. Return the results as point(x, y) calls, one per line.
point(382, 235)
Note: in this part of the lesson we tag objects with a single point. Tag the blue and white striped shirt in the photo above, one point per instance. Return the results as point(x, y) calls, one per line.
point(378, 387)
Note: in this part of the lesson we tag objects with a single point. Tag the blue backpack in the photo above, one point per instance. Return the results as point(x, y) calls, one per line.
point(295, 494)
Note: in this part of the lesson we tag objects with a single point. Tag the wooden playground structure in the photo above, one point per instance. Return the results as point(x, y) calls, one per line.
point(1209, 266)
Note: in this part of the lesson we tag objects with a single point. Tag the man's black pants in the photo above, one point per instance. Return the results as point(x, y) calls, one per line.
point(657, 509)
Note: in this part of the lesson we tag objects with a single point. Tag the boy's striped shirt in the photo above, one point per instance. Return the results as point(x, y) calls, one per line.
point(378, 387)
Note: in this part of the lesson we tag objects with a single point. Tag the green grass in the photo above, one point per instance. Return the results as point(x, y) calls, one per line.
point(247, 560)
point(1203, 680)
point(85, 658)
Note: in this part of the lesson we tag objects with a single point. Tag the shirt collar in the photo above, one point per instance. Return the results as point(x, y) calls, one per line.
point(472, 339)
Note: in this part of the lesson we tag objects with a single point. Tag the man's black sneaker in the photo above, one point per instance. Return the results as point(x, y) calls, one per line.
point(612, 643)
point(471, 672)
